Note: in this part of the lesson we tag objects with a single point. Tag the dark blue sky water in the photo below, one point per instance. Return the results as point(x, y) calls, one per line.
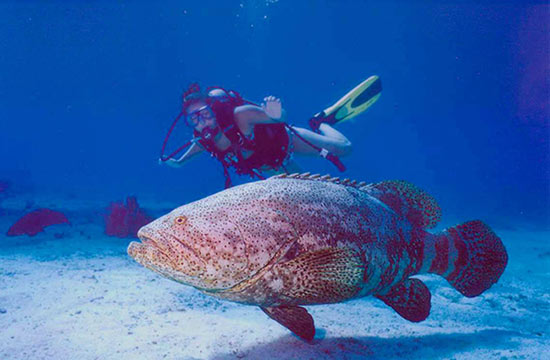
point(88, 90)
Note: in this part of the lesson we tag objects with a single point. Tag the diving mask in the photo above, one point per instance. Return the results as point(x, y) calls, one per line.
point(201, 114)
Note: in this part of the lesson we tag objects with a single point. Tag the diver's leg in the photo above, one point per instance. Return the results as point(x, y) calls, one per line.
point(332, 133)
point(329, 139)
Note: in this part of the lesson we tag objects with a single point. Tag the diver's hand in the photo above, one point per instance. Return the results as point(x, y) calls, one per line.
point(272, 107)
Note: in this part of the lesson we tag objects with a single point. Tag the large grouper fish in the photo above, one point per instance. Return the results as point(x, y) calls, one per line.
point(303, 239)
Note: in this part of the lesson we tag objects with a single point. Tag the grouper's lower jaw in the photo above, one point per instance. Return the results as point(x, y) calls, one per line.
point(136, 250)
point(153, 259)
point(148, 256)
point(141, 253)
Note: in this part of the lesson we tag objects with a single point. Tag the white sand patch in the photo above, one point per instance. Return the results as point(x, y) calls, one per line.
point(76, 298)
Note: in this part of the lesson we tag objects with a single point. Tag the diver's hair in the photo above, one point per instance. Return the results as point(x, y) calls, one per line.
point(192, 96)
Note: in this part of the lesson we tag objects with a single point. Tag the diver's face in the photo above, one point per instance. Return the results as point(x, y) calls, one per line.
point(200, 116)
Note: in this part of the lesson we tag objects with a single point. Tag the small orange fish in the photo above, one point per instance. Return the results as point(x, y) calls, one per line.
point(304, 239)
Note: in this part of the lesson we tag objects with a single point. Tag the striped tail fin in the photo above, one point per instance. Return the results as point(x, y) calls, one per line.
point(470, 256)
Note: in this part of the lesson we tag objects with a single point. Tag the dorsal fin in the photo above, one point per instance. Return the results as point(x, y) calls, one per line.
point(406, 199)
point(402, 197)
point(318, 177)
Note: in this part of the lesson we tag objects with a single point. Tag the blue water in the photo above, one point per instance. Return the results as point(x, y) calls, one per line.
point(89, 89)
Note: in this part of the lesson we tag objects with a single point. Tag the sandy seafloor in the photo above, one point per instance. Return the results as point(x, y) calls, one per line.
point(81, 297)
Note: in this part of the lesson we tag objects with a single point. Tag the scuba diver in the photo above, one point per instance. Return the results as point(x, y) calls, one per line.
point(254, 139)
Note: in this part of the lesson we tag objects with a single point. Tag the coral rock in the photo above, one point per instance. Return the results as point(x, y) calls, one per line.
point(124, 220)
point(35, 222)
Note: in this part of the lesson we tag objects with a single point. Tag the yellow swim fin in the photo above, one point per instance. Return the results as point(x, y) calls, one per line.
point(352, 104)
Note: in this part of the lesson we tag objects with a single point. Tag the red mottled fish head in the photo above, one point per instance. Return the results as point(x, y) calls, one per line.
point(203, 249)
point(219, 241)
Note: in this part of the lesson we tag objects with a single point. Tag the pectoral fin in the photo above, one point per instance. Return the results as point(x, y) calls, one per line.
point(410, 298)
point(323, 276)
point(294, 318)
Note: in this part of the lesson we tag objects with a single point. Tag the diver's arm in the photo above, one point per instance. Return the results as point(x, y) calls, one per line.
point(252, 114)
point(194, 150)
point(270, 112)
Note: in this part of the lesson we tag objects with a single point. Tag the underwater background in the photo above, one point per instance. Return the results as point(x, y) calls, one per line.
point(89, 89)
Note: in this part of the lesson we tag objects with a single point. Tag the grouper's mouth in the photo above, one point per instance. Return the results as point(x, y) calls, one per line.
point(154, 255)
point(150, 254)
point(150, 242)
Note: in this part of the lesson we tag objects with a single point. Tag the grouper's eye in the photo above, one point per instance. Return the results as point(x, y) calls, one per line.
point(180, 220)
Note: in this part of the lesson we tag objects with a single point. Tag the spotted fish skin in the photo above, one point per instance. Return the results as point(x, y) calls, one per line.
point(303, 239)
